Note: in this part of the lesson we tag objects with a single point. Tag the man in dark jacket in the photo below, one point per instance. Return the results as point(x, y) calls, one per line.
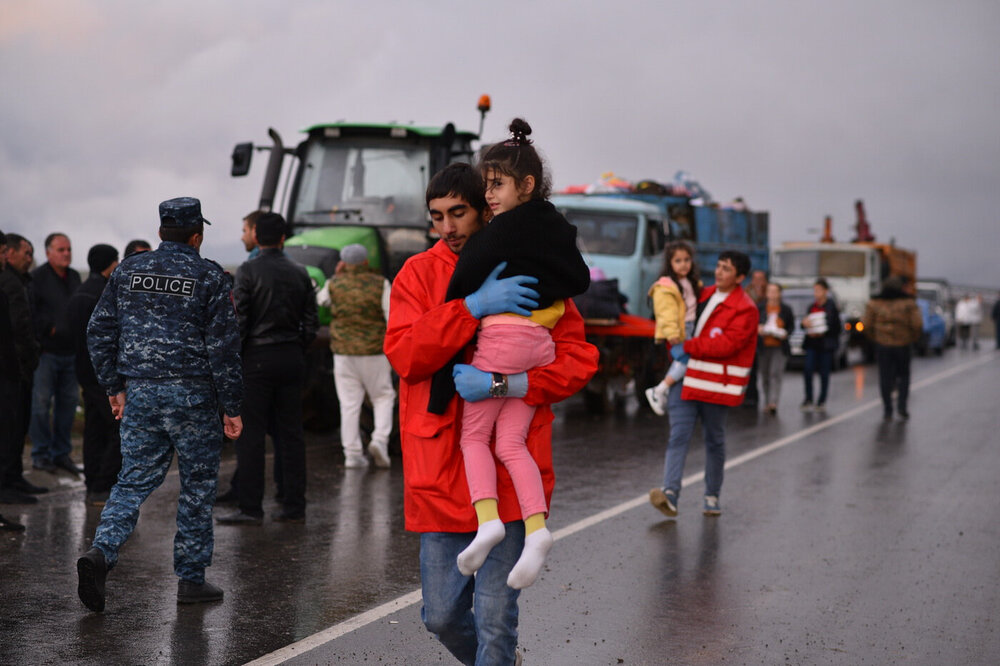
point(8, 399)
point(8, 380)
point(102, 456)
point(276, 311)
point(16, 407)
point(54, 396)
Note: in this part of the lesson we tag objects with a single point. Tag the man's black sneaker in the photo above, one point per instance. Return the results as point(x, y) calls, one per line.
point(193, 593)
point(239, 518)
point(66, 463)
point(11, 496)
point(25, 486)
point(290, 517)
point(228, 497)
point(8, 525)
point(43, 464)
point(92, 570)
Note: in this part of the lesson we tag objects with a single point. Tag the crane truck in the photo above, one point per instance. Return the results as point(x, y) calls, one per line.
point(855, 271)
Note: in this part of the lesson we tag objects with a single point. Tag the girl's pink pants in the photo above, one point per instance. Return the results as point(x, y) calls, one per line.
point(507, 349)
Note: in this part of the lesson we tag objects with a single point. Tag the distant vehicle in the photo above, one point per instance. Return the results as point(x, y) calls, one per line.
point(937, 291)
point(799, 299)
point(934, 336)
point(855, 271)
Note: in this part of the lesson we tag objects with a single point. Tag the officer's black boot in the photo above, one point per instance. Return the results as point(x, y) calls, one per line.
point(193, 593)
point(92, 570)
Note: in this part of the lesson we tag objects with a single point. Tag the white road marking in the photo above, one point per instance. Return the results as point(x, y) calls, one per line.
point(375, 614)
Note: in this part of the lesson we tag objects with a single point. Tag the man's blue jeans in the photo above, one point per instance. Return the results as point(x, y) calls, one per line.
point(488, 636)
point(683, 414)
point(54, 389)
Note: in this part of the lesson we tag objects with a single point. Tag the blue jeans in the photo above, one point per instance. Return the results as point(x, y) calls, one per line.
point(821, 360)
point(55, 382)
point(474, 617)
point(683, 414)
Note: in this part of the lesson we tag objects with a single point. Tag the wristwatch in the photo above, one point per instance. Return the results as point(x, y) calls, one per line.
point(498, 388)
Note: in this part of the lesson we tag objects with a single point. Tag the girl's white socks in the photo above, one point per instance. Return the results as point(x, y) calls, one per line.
point(529, 565)
point(489, 534)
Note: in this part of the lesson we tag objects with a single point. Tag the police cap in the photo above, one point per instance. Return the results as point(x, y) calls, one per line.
point(181, 212)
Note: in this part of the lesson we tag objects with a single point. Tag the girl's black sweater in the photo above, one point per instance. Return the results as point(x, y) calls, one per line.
point(534, 239)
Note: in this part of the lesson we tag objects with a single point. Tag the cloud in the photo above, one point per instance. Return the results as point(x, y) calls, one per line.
point(799, 108)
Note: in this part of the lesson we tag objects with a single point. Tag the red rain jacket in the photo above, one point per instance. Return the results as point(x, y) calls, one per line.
point(423, 333)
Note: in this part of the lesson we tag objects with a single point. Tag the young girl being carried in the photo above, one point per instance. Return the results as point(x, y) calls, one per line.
point(534, 239)
point(675, 299)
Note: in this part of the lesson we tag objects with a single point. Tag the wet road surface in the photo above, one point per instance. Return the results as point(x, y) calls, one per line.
point(844, 539)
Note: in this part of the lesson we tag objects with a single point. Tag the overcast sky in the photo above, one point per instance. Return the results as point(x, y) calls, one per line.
point(109, 107)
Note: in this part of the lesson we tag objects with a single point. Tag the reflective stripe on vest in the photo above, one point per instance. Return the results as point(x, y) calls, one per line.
point(718, 368)
point(714, 387)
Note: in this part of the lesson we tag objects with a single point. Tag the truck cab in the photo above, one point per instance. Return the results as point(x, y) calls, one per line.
point(625, 239)
point(356, 183)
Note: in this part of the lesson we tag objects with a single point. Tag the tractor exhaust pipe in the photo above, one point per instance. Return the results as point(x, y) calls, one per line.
point(273, 174)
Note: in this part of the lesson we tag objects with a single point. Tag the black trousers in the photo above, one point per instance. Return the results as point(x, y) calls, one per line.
point(10, 448)
point(893, 373)
point(13, 433)
point(102, 444)
point(272, 380)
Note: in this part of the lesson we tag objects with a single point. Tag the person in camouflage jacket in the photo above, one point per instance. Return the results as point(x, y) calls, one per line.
point(892, 321)
point(359, 310)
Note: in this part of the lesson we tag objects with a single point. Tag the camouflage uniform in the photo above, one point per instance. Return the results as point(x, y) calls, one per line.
point(165, 333)
point(359, 302)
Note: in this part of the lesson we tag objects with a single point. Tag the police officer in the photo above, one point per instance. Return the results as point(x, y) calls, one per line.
point(165, 346)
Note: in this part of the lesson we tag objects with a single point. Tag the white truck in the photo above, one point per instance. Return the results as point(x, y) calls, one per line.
point(855, 272)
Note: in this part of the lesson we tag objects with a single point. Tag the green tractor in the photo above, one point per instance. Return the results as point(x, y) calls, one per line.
point(353, 183)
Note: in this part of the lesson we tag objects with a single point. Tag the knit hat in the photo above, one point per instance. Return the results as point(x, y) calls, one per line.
point(354, 254)
point(100, 257)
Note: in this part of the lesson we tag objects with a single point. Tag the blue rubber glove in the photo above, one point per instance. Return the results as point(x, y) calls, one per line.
point(506, 295)
point(472, 383)
point(678, 354)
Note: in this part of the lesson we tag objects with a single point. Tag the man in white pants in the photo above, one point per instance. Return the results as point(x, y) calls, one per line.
point(359, 307)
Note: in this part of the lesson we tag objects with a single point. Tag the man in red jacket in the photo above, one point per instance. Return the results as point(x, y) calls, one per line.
point(719, 356)
point(424, 332)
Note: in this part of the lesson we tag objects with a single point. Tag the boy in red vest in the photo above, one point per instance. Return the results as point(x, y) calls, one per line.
point(719, 357)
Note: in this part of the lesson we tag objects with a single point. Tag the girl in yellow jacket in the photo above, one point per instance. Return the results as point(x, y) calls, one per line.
point(675, 299)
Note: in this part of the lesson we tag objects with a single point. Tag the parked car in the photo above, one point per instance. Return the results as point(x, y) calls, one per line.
point(938, 293)
point(799, 299)
point(935, 335)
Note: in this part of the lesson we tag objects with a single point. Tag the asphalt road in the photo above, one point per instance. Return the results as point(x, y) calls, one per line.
point(844, 539)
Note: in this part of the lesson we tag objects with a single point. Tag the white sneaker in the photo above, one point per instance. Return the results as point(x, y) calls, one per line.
point(657, 401)
point(380, 454)
point(355, 461)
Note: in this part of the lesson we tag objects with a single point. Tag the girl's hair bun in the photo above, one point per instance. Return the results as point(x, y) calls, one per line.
point(519, 130)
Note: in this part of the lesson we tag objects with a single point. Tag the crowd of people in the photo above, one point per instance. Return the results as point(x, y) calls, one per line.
point(44, 312)
point(170, 354)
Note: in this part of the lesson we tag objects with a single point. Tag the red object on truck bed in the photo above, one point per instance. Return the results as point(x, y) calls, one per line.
point(628, 326)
